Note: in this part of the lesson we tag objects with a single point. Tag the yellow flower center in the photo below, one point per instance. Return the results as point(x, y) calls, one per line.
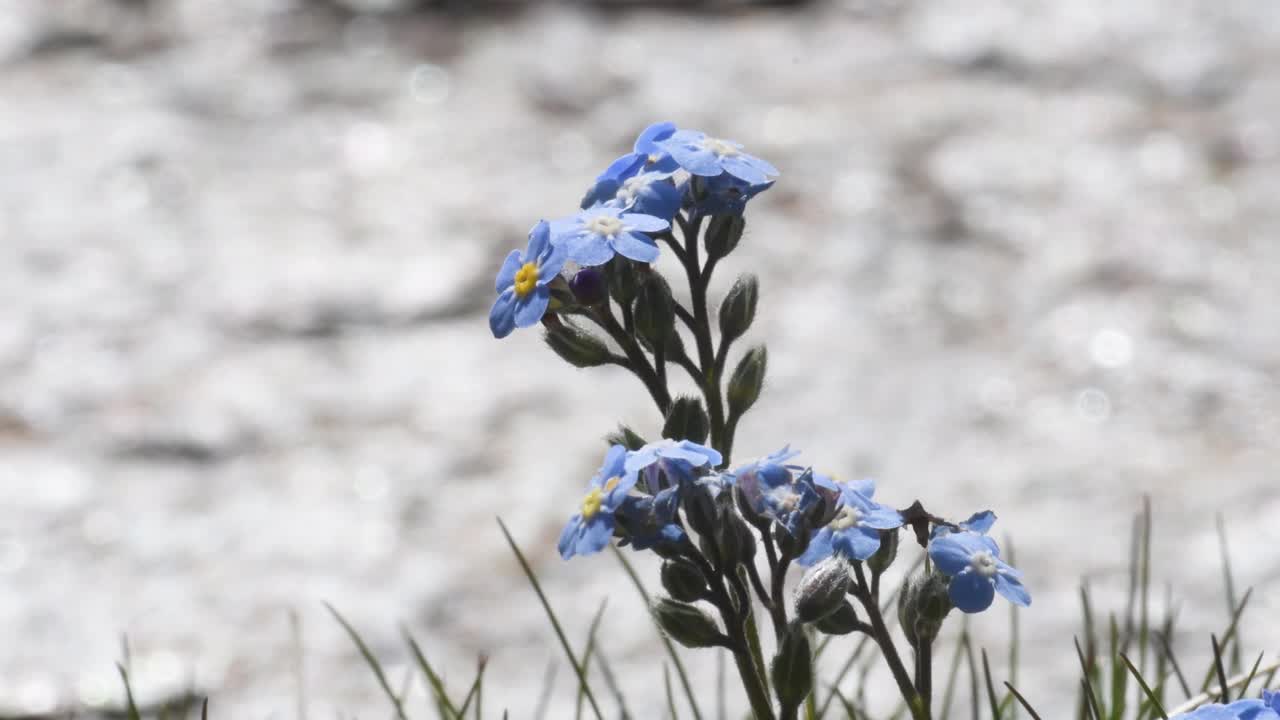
point(594, 499)
point(526, 279)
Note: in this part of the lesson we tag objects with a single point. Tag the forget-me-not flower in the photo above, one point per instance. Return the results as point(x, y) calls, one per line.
point(722, 195)
point(647, 154)
point(773, 490)
point(678, 460)
point(854, 532)
point(979, 522)
point(523, 295)
point(650, 521)
point(589, 530)
point(701, 154)
point(595, 235)
point(972, 561)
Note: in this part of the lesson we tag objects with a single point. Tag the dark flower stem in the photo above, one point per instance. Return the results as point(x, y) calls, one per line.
point(880, 633)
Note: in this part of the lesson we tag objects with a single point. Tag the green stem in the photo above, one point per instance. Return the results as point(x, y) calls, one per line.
point(890, 651)
point(637, 362)
point(761, 706)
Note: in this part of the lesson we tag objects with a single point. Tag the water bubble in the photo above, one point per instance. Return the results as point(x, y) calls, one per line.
point(1111, 348)
point(1093, 405)
point(429, 84)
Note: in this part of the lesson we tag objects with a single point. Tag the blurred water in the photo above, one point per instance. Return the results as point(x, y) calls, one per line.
point(1022, 255)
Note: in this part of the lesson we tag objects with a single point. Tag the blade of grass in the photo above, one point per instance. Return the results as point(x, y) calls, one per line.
point(1228, 583)
point(612, 681)
point(369, 659)
point(299, 667)
point(1229, 635)
point(1014, 639)
point(975, 696)
point(587, 652)
point(544, 698)
point(849, 709)
point(1091, 696)
point(1173, 663)
point(1204, 697)
point(477, 685)
point(1144, 582)
point(1146, 689)
point(991, 688)
point(1222, 672)
point(444, 707)
point(131, 707)
point(555, 623)
point(1244, 689)
point(953, 672)
point(666, 642)
point(671, 700)
point(1022, 701)
point(1119, 677)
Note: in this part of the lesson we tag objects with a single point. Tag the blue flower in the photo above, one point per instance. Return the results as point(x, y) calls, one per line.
point(1271, 698)
point(972, 561)
point(522, 282)
point(854, 532)
point(701, 154)
point(678, 460)
point(650, 521)
point(1238, 710)
point(647, 154)
point(773, 490)
point(721, 195)
point(593, 236)
point(589, 530)
point(979, 522)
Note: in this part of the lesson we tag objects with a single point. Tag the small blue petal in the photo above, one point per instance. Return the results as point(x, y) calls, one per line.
point(590, 250)
point(644, 223)
point(569, 537)
point(595, 534)
point(738, 167)
point(820, 548)
point(951, 557)
point(647, 142)
point(1012, 590)
point(502, 316)
point(531, 309)
point(539, 239)
point(635, 247)
point(857, 543)
point(507, 274)
point(971, 593)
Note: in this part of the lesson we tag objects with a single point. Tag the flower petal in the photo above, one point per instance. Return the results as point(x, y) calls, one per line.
point(857, 543)
point(649, 138)
point(882, 518)
point(502, 316)
point(644, 223)
point(569, 537)
point(507, 273)
point(539, 239)
point(1013, 591)
point(590, 250)
point(737, 166)
point(531, 309)
point(950, 556)
point(595, 534)
point(634, 246)
point(760, 164)
point(696, 161)
point(971, 593)
point(820, 548)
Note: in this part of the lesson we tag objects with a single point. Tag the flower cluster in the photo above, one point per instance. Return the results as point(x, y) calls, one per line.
point(727, 536)
point(629, 207)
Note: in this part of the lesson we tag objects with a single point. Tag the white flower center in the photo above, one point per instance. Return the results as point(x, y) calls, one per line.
point(785, 498)
point(604, 225)
point(983, 564)
point(847, 517)
point(632, 186)
point(719, 147)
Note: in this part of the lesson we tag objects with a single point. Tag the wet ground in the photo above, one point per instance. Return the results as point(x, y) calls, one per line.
point(1023, 255)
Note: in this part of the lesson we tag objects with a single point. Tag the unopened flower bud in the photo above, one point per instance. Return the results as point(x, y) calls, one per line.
point(589, 286)
point(723, 234)
point(821, 591)
point(888, 552)
point(686, 624)
point(792, 669)
point(686, 420)
point(747, 380)
point(577, 347)
point(841, 622)
point(626, 437)
point(683, 580)
point(624, 280)
point(736, 541)
point(923, 606)
point(739, 308)
point(655, 314)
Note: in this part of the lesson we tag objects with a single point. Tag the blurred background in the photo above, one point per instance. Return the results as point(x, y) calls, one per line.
point(1024, 255)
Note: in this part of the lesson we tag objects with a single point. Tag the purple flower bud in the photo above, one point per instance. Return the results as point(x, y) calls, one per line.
point(589, 286)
